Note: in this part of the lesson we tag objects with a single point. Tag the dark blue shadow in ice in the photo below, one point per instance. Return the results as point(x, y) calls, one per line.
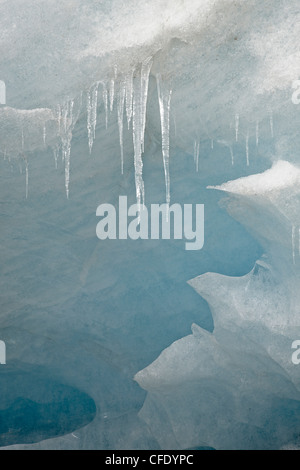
point(34, 407)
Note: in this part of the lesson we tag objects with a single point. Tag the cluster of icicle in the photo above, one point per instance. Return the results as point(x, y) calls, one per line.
point(130, 91)
point(236, 138)
point(67, 116)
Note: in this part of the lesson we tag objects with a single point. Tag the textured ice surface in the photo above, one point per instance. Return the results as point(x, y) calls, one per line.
point(256, 317)
point(183, 100)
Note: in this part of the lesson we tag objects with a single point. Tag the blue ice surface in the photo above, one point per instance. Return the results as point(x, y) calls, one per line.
point(34, 407)
point(99, 311)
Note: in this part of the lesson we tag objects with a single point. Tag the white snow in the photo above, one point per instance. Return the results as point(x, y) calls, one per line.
point(282, 175)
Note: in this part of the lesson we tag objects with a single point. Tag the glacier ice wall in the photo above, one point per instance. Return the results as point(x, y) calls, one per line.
point(159, 101)
point(256, 318)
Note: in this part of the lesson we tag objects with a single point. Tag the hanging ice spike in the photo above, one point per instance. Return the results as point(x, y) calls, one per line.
point(237, 122)
point(121, 100)
point(92, 101)
point(231, 154)
point(69, 118)
point(227, 144)
point(247, 148)
point(111, 94)
point(66, 141)
point(295, 244)
point(129, 96)
point(55, 155)
point(140, 93)
point(164, 98)
point(105, 101)
point(44, 135)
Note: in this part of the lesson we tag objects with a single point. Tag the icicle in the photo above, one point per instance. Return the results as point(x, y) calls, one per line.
point(69, 121)
point(26, 176)
point(88, 120)
point(196, 154)
point(55, 155)
point(145, 72)
point(140, 93)
point(69, 116)
point(294, 244)
point(212, 144)
point(75, 108)
point(94, 104)
point(105, 101)
point(121, 100)
point(137, 144)
point(92, 101)
point(129, 96)
point(257, 132)
point(111, 94)
point(58, 118)
point(247, 147)
point(271, 125)
point(22, 139)
point(44, 134)
point(70, 111)
point(66, 149)
point(231, 154)
point(237, 122)
point(164, 98)
point(175, 126)
point(64, 117)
